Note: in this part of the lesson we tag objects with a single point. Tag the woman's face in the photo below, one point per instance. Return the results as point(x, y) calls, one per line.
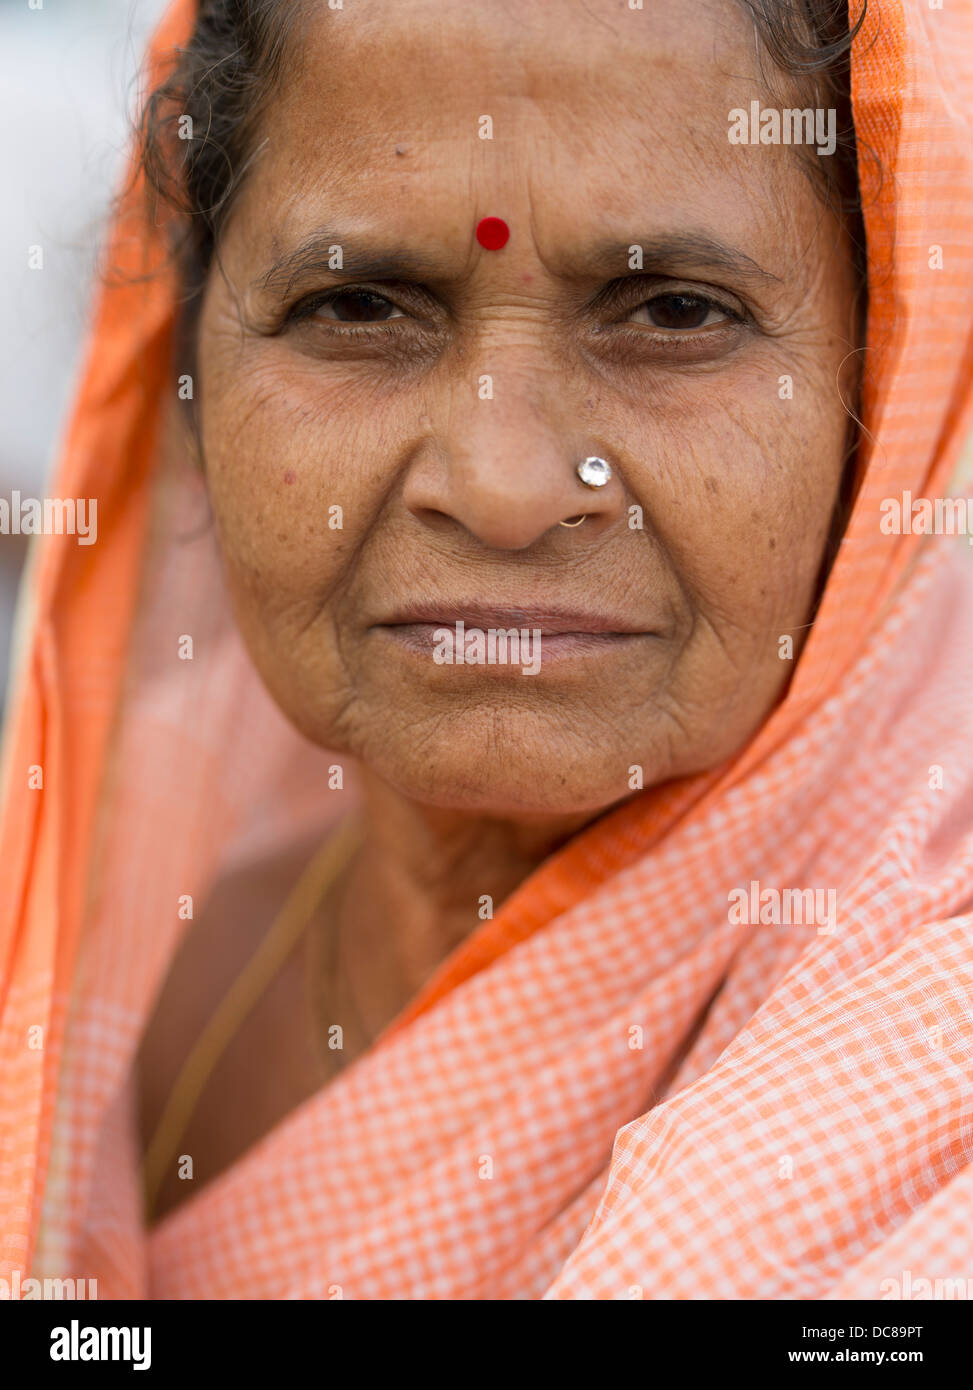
point(441, 395)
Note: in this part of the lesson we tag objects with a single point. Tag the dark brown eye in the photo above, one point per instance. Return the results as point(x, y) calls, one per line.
point(679, 311)
point(356, 306)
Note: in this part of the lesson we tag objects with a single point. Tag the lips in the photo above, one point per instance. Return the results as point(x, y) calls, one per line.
point(565, 635)
point(552, 622)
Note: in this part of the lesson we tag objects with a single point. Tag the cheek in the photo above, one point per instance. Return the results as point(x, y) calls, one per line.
point(739, 484)
point(291, 482)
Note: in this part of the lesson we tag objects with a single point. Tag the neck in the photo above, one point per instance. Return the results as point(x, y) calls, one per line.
point(415, 889)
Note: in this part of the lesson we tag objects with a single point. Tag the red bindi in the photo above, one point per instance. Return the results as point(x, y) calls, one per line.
point(492, 233)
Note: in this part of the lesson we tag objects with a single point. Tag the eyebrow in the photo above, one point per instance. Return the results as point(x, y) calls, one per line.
point(680, 250)
point(373, 262)
point(666, 253)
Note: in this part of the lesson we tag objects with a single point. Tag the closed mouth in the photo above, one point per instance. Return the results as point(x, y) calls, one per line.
point(549, 622)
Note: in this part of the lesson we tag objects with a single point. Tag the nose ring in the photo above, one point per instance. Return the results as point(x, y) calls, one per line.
point(594, 472)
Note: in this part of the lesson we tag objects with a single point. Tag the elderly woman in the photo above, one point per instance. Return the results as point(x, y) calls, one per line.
point(492, 817)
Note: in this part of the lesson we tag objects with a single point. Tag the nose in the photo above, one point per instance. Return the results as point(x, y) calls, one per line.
point(506, 469)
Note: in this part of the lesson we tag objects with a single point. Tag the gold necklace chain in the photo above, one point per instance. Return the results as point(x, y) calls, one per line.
point(316, 881)
point(323, 994)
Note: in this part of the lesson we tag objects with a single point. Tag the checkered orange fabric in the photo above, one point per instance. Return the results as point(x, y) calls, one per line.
point(526, 1128)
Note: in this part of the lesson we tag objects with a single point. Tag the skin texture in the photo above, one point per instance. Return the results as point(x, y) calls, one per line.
point(609, 127)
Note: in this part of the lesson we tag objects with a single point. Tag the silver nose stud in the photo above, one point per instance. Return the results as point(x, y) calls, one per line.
point(594, 472)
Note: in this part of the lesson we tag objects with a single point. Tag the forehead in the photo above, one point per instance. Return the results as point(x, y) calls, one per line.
point(572, 116)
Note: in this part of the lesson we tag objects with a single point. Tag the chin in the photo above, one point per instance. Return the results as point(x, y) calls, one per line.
point(509, 764)
point(517, 797)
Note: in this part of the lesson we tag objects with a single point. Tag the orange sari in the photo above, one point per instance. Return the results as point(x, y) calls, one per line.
point(520, 1131)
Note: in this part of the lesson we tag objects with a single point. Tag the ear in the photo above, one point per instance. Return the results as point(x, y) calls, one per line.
point(193, 438)
point(187, 383)
point(180, 437)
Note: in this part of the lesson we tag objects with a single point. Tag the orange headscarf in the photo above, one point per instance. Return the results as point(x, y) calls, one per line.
point(521, 1130)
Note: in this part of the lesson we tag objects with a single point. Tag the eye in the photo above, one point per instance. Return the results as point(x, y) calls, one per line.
point(680, 312)
point(349, 306)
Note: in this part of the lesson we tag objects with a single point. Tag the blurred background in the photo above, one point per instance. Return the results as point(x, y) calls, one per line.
point(67, 90)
